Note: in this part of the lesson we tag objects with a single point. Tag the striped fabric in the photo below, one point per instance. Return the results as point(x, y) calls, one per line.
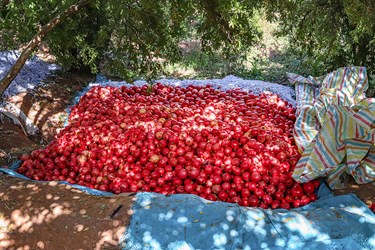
point(335, 128)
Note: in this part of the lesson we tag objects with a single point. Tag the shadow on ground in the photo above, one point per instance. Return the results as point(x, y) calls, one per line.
point(35, 215)
point(46, 108)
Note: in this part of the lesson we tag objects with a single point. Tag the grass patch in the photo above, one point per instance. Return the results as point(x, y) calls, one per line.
point(270, 60)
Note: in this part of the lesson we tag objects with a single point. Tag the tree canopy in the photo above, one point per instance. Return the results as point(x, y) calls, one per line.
point(332, 33)
point(134, 38)
point(129, 37)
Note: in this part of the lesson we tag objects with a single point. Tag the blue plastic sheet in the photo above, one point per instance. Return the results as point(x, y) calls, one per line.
point(189, 222)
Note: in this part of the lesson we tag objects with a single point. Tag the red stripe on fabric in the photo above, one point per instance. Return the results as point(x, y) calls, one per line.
point(367, 159)
point(352, 162)
point(330, 113)
point(343, 78)
point(368, 123)
point(340, 120)
point(320, 157)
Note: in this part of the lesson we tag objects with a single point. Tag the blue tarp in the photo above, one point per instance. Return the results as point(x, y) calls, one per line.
point(189, 222)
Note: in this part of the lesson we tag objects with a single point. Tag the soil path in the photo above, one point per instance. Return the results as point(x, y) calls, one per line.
point(35, 215)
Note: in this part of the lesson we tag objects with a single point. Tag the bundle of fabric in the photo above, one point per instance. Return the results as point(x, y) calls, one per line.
point(335, 127)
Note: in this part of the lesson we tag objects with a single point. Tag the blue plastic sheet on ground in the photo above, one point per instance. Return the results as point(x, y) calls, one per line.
point(189, 222)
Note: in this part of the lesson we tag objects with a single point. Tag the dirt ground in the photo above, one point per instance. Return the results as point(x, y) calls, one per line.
point(49, 216)
point(35, 215)
point(366, 192)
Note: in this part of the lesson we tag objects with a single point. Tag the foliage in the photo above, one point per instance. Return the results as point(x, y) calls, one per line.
point(139, 38)
point(330, 34)
point(267, 60)
point(130, 37)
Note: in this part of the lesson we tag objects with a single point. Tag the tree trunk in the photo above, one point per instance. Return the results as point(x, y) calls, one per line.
point(43, 31)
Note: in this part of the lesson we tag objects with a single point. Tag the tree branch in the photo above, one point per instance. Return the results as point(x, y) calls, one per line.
point(215, 16)
point(43, 31)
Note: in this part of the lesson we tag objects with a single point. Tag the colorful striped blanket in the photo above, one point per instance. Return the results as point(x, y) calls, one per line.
point(335, 127)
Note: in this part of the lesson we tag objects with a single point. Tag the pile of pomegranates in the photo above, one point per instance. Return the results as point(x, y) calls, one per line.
point(230, 145)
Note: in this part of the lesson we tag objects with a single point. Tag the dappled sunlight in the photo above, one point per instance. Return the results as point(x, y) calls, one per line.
point(189, 222)
point(109, 237)
point(365, 218)
point(45, 108)
point(171, 222)
point(181, 71)
point(49, 215)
